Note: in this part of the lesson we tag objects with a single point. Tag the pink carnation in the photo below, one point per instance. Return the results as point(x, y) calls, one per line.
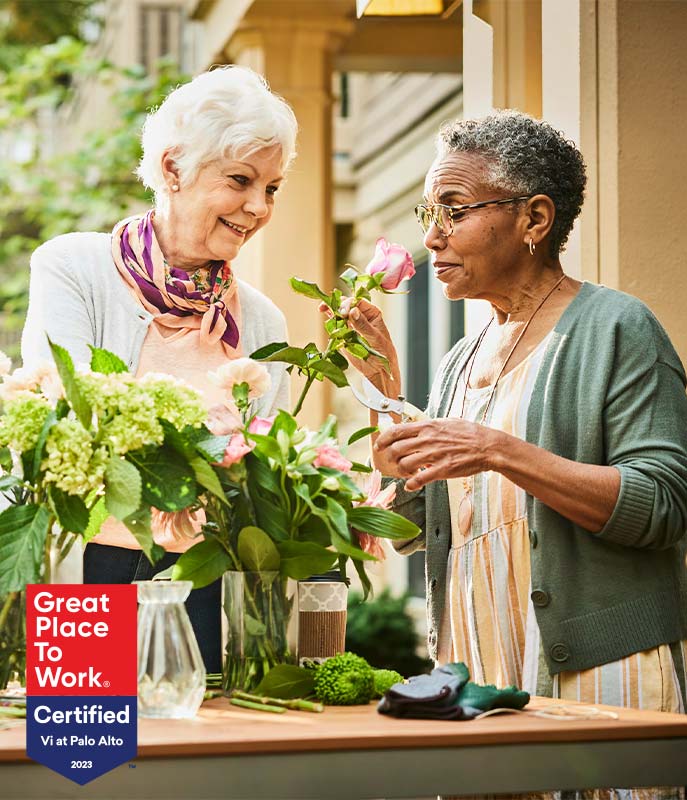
point(329, 456)
point(235, 450)
point(394, 261)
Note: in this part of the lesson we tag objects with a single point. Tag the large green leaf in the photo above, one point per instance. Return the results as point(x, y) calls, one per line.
point(267, 350)
point(139, 524)
point(325, 367)
point(203, 564)
point(287, 682)
point(105, 362)
point(380, 522)
point(50, 420)
point(257, 551)
point(300, 560)
point(207, 477)
point(169, 482)
point(22, 541)
point(97, 516)
point(265, 477)
point(309, 289)
point(65, 368)
point(123, 487)
point(288, 355)
point(70, 510)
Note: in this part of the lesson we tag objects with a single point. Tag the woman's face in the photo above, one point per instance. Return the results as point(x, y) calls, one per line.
point(230, 200)
point(480, 257)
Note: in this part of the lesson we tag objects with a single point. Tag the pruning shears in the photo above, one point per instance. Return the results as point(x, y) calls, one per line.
point(385, 406)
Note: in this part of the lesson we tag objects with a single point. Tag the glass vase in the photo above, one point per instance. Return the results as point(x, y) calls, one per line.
point(12, 639)
point(171, 673)
point(258, 627)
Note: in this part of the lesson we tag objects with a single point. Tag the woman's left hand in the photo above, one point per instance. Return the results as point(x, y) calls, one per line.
point(435, 449)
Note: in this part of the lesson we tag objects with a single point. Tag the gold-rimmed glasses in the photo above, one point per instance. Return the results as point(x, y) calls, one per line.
point(444, 216)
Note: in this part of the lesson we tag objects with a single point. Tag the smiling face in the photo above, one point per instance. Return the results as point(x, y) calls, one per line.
point(481, 258)
point(227, 204)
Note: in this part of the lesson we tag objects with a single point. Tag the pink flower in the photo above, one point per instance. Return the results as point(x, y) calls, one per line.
point(235, 450)
point(260, 425)
point(377, 498)
point(394, 261)
point(329, 456)
point(177, 525)
point(223, 420)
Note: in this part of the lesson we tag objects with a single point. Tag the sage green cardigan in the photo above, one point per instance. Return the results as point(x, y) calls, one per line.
point(610, 390)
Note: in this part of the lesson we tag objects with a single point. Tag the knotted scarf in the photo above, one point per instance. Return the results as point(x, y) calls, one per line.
point(205, 299)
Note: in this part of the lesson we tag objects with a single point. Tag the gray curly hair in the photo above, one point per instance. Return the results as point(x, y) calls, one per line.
point(524, 155)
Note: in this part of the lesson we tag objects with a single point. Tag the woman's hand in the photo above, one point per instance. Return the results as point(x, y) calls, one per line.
point(434, 450)
point(367, 320)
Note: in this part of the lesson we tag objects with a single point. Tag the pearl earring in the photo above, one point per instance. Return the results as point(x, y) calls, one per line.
point(532, 247)
point(175, 187)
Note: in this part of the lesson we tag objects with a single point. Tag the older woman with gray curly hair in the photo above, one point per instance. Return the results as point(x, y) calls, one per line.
point(550, 478)
point(159, 291)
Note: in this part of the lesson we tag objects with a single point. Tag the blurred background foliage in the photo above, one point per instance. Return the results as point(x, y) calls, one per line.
point(382, 631)
point(49, 187)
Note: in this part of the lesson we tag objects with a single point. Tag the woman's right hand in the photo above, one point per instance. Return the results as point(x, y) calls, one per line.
point(367, 320)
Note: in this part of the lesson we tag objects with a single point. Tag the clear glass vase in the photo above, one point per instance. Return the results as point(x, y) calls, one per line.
point(171, 673)
point(258, 627)
point(12, 639)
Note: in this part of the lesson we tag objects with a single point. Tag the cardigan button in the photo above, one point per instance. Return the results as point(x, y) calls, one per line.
point(533, 538)
point(540, 598)
point(437, 532)
point(559, 653)
point(433, 584)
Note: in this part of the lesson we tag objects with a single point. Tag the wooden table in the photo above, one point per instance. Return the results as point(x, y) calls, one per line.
point(349, 753)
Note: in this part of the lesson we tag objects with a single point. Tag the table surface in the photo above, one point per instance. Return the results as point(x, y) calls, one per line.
point(221, 728)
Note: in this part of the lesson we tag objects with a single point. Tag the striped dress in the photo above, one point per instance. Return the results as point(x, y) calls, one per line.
point(489, 621)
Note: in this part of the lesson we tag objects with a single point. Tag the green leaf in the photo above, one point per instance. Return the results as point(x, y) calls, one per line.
point(50, 420)
point(253, 627)
point(257, 551)
point(289, 355)
point(266, 445)
point(5, 458)
point(97, 516)
point(267, 350)
point(348, 276)
point(300, 560)
point(123, 487)
point(325, 367)
point(309, 289)
point(380, 522)
point(105, 362)
point(65, 368)
point(211, 447)
point(169, 482)
point(8, 482)
point(287, 682)
point(362, 433)
point(139, 524)
point(326, 431)
point(357, 350)
point(284, 422)
point(23, 530)
point(364, 579)
point(338, 360)
point(207, 478)
point(358, 467)
point(70, 510)
point(203, 564)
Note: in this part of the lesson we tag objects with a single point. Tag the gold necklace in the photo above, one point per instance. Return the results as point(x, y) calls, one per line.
point(466, 505)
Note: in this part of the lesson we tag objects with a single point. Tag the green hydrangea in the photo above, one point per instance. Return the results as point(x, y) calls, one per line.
point(344, 680)
point(71, 462)
point(384, 679)
point(134, 425)
point(22, 421)
point(175, 401)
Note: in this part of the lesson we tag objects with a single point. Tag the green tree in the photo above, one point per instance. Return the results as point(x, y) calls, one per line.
point(85, 185)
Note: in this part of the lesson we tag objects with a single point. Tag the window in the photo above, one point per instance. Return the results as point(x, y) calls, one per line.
point(161, 29)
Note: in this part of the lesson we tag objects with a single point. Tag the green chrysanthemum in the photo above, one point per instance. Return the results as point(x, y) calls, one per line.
point(70, 463)
point(22, 421)
point(344, 680)
point(384, 679)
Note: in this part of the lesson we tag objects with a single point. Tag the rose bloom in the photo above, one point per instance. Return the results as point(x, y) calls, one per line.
point(48, 380)
point(261, 425)
point(235, 450)
point(243, 370)
point(394, 261)
point(329, 456)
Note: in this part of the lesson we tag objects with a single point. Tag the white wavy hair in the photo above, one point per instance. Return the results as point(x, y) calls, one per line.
point(228, 112)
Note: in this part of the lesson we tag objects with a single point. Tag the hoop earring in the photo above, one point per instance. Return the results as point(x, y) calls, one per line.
point(533, 247)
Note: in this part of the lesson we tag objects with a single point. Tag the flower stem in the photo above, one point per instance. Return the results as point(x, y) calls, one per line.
point(305, 391)
point(297, 703)
point(257, 706)
point(4, 613)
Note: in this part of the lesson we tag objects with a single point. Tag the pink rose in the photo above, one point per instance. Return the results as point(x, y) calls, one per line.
point(261, 425)
point(328, 456)
point(394, 261)
point(235, 450)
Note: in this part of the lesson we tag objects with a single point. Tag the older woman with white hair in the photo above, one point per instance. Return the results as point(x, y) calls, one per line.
point(159, 291)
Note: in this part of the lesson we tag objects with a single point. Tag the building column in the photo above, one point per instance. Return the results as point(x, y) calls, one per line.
point(295, 56)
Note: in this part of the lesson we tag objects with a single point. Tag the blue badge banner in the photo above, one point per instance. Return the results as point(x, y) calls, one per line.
point(81, 654)
point(81, 737)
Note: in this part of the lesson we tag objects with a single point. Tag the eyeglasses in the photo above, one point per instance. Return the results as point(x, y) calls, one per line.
point(444, 216)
